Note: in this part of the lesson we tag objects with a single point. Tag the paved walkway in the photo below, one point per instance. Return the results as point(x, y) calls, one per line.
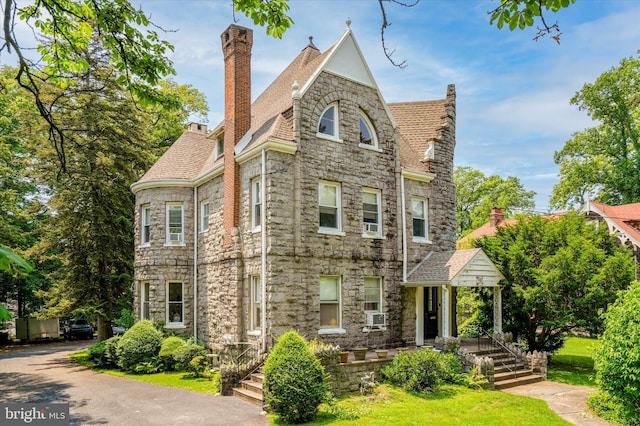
point(569, 401)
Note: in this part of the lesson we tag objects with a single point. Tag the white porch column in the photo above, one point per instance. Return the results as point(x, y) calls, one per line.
point(420, 316)
point(497, 310)
point(446, 321)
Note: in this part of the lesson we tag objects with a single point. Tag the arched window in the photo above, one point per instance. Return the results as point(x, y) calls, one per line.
point(367, 134)
point(328, 124)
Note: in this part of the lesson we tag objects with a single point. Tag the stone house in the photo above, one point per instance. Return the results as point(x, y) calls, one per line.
point(318, 207)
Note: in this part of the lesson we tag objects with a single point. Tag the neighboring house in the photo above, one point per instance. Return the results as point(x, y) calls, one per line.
point(622, 221)
point(489, 229)
point(318, 207)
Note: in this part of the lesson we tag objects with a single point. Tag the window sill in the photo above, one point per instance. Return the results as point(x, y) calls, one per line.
point(331, 232)
point(422, 241)
point(373, 237)
point(174, 244)
point(204, 232)
point(145, 245)
point(254, 333)
point(175, 326)
point(256, 229)
point(332, 331)
point(329, 138)
point(370, 147)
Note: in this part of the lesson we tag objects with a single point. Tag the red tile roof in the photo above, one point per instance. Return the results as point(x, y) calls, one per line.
point(626, 218)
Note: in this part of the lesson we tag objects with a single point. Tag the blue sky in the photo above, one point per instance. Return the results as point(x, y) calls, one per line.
point(513, 93)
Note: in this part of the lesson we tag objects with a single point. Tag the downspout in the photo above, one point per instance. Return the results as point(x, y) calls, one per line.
point(404, 230)
point(263, 236)
point(195, 263)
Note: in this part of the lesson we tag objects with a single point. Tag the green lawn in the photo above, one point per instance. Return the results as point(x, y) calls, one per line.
point(573, 363)
point(173, 379)
point(451, 405)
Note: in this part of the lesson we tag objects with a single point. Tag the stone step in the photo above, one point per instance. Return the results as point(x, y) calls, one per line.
point(252, 386)
point(519, 381)
point(503, 368)
point(508, 375)
point(257, 377)
point(254, 398)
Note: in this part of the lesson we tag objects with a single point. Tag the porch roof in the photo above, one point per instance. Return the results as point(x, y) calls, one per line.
point(459, 268)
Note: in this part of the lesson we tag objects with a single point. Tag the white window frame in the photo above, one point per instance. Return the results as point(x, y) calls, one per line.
point(335, 134)
point(256, 203)
point(373, 282)
point(369, 231)
point(145, 225)
point(144, 300)
point(374, 137)
point(424, 218)
point(170, 321)
point(337, 327)
point(255, 303)
point(204, 216)
point(180, 239)
point(337, 230)
point(220, 146)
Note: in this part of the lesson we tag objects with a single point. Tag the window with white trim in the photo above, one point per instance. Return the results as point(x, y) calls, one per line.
point(373, 294)
point(255, 309)
point(330, 310)
point(204, 216)
point(220, 146)
point(419, 219)
point(175, 223)
point(145, 225)
point(368, 136)
point(328, 124)
point(256, 203)
point(329, 206)
point(371, 213)
point(175, 303)
point(144, 300)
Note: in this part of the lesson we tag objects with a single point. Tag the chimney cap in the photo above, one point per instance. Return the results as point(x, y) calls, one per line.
point(198, 128)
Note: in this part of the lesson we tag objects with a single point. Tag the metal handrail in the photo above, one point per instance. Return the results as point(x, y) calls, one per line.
point(497, 343)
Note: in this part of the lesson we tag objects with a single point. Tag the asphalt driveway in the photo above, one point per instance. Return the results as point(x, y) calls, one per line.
point(44, 374)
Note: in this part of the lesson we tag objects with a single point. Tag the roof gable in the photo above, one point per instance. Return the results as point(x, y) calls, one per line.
point(459, 268)
point(622, 220)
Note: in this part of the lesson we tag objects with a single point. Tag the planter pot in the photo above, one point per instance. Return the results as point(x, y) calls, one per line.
point(382, 353)
point(344, 357)
point(360, 353)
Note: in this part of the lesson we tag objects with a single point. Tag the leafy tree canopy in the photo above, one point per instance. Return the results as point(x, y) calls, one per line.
point(603, 162)
point(560, 272)
point(477, 194)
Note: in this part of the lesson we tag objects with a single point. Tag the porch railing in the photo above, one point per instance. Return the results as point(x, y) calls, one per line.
point(488, 342)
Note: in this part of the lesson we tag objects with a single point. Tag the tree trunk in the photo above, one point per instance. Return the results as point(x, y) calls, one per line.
point(104, 328)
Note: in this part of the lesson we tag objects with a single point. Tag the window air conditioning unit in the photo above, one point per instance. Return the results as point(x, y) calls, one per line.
point(376, 319)
point(175, 238)
point(370, 228)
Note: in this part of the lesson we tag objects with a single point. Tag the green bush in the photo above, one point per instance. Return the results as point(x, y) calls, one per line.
point(141, 343)
point(168, 347)
point(183, 355)
point(423, 370)
point(199, 367)
point(150, 366)
point(611, 409)
point(294, 383)
point(111, 347)
point(98, 355)
point(617, 358)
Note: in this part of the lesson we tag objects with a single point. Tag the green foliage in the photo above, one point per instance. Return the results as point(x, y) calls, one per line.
point(559, 273)
point(611, 409)
point(423, 370)
point(271, 14)
point(603, 162)
point(111, 350)
point(149, 366)
point(199, 367)
point(294, 380)
point(617, 358)
point(522, 13)
point(182, 355)
point(477, 194)
point(168, 347)
point(126, 318)
point(98, 354)
point(140, 344)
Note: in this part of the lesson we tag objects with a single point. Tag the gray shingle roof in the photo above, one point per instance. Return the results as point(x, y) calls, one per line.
point(441, 267)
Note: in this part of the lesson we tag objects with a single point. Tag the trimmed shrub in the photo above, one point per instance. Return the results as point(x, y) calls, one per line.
point(111, 346)
point(199, 367)
point(617, 358)
point(294, 384)
point(168, 347)
point(423, 370)
point(98, 355)
point(141, 343)
point(183, 355)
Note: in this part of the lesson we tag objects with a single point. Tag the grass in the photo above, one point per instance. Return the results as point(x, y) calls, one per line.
point(174, 379)
point(573, 364)
point(451, 405)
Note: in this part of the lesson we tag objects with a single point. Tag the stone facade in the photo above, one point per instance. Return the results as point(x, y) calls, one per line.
point(296, 254)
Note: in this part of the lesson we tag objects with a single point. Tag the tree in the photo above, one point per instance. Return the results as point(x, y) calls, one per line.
point(617, 359)
point(559, 273)
point(603, 162)
point(477, 194)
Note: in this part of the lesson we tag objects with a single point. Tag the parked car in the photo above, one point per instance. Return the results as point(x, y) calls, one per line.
point(116, 330)
point(78, 328)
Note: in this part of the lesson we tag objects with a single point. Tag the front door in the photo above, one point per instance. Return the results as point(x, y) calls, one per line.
point(430, 312)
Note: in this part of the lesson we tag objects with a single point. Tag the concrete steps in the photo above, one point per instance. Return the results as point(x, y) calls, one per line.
point(509, 372)
point(250, 390)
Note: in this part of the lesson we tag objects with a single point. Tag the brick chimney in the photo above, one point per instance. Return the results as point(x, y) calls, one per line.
point(236, 47)
point(495, 217)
